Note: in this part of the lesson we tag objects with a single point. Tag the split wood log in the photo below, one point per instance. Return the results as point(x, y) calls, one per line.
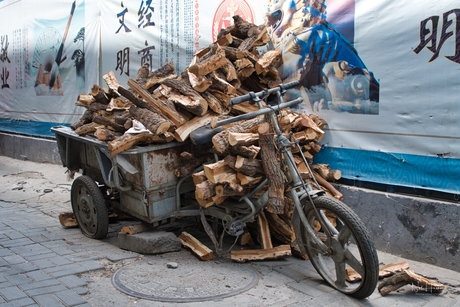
point(325, 171)
point(219, 106)
point(209, 64)
point(273, 172)
point(246, 239)
point(230, 72)
point(205, 190)
point(153, 104)
point(86, 118)
point(280, 229)
point(248, 180)
point(220, 172)
point(232, 189)
point(408, 277)
point(87, 128)
point(196, 246)
point(249, 167)
point(328, 186)
point(277, 252)
point(384, 271)
point(99, 94)
point(109, 123)
point(138, 228)
point(68, 220)
point(183, 132)
point(192, 102)
point(296, 252)
point(246, 139)
point(221, 85)
point(167, 71)
point(269, 58)
point(319, 121)
point(189, 163)
point(250, 152)
point(264, 235)
point(199, 177)
point(127, 141)
point(86, 99)
point(105, 135)
point(151, 120)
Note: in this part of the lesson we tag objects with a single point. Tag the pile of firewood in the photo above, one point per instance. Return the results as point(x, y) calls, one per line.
point(162, 106)
point(171, 106)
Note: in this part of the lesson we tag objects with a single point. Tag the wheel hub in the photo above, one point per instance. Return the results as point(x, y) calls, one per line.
point(337, 250)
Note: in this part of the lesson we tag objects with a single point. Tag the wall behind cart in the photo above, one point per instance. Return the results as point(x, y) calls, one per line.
point(400, 129)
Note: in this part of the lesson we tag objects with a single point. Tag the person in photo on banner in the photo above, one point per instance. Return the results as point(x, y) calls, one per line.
point(332, 75)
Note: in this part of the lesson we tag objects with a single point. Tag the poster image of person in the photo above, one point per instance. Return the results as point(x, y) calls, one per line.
point(332, 74)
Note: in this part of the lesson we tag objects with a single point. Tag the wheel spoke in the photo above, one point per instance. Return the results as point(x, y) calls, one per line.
point(329, 225)
point(340, 274)
point(344, 235)
point(353, 262)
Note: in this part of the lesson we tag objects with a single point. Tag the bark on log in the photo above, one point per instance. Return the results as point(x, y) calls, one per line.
point(151, 120)
point(68, 220)
point(325, 171)
point(86, 118)
point(195, 103)
point(328, 186)
point(210, 64)
point(127, 141)
point(105, 135)
point(99, 94)
point(196, 246)
point(87, 128)
point(109, 123)
point(220, 172)
point(215, 104)
point(158, 76)
point(275, 175)
point(408, 277)
point(277, 252)
point(152, 104)
point(205, 190)
point(138, 228)
point(265, 239)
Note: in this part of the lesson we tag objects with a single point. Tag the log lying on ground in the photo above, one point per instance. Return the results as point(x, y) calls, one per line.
point(196, 246)
point(138, 228)
point(68, 220)
point(277, 252)
point(408, 277)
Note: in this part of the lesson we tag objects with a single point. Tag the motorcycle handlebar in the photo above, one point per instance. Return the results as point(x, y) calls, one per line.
point(251, 95)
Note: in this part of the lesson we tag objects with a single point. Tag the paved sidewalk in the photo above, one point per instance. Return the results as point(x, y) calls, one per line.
point(43, 264)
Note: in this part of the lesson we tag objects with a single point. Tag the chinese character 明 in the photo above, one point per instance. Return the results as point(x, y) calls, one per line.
point(123, 61)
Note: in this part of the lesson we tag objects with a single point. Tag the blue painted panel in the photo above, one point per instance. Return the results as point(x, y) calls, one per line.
point(397, 169)
point(29, 128)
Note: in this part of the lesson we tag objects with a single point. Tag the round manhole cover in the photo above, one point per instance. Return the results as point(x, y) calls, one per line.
point(192, 281)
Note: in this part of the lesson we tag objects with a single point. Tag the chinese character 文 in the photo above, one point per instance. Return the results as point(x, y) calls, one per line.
point(429, 34)
point(4, 52)
point(122, 20)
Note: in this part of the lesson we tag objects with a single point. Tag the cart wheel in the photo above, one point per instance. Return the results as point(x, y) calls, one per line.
point(89, 207)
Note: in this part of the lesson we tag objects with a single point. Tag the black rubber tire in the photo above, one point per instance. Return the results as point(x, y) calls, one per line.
point(362, 248)
point(89, 207)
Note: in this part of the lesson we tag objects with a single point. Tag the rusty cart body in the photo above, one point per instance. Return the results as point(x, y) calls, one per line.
point(142, 177)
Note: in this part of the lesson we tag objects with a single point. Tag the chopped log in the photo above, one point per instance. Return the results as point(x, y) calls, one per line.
point(391, 268)
point(199, 177)
point(408, 277)
point(308, 134)
point(205, 203)
point(153, 104)
point(223, 40)
point(230, 71)
point(296, 252)
point(249, 152)
point(280, 229)
point(99, 94)
point(138, 228)
point(275, 175)
point(232, 189)
point(246, 239)
point(196, 246)
point(167, 71)
point(119, 103)
point(215, 104)
point(109, 123)
point(151, 120)
point(209, 64)
point(68, 220)
point(86, 118)
point(112, 82)
point(205, 190)
point(195, 103)
point(241, 27)
point(127, 141)
point(219, 172)
point(273, 253)
point(199, 84)
point(248, 180)
point(233, 54)
point(384, 271)
point(189, 163)
point(328, 186)
point(247, 139)
point(319, 121)
point(250, 167)
point(221, 85)
point(259, 38)
point(183, 132)
point(105, 135)
point(265, 239)
point(87, 128)
point(86, 99)
point(325, 171)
